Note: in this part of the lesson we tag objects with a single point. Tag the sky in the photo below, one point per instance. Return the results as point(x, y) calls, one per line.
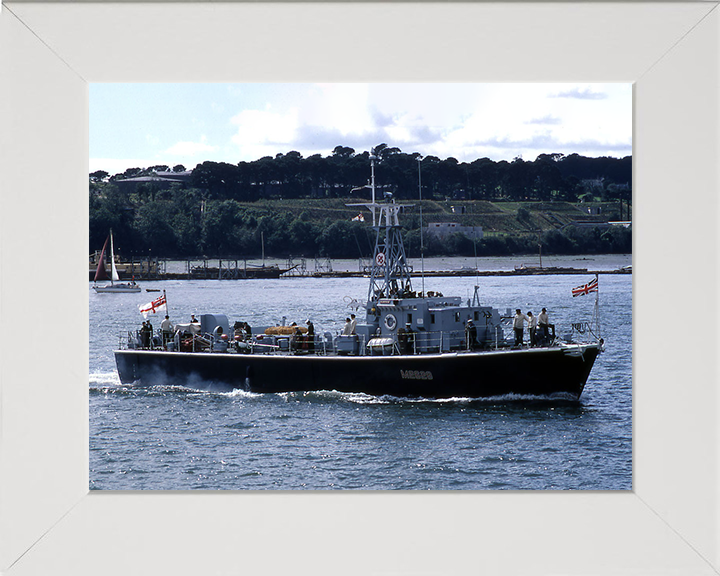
point(142, 125)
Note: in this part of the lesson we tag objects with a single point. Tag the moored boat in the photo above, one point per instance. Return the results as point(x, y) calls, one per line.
point(115, 285)
point(410, 344)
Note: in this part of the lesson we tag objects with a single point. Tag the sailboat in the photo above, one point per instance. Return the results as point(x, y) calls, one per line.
point(101, 273)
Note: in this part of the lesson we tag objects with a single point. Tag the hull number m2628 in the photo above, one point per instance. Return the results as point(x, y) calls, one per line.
point(416, 374)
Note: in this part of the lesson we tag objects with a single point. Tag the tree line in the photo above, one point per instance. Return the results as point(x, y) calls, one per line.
point(223, 210)
point(549, 177)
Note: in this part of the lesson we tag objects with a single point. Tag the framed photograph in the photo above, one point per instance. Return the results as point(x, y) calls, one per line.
point(49, 521)
point(422, 387)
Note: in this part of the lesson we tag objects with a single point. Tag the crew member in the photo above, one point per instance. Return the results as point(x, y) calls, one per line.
point(518, 326)
point(470, 335)
point(532, 325)
point(145, 333)
point(347, 329)
point(310, 336)
point(192, 318)
point(167, 329)
point(150, 333)
point(410, 335)
point(402, 340)
point(295, 339)
point(353, 323)
point(544, 324)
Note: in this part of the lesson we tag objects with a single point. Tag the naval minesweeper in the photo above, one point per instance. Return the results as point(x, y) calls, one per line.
point(409, 344)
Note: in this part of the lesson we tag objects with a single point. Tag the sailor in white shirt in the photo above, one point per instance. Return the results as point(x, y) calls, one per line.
point(544, 324)
point(518, 326)
point(532, 325)
point(167, 329)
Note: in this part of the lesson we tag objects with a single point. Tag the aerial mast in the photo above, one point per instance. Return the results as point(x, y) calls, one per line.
point(390, 274)
point(422, 250)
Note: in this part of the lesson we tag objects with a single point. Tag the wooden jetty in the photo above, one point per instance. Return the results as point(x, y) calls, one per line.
point(236, 269)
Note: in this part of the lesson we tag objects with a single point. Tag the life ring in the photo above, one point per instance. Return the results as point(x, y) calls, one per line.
point(390, 322)
point(380, 258)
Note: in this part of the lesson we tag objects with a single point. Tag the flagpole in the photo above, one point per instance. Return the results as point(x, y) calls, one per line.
point(597, 305)
point(167, 310)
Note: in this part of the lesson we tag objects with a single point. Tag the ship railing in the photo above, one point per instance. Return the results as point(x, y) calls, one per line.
point(584, 331)
point(421, 342)
point(435, 341)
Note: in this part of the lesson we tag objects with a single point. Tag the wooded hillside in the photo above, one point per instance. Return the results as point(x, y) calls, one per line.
point(299, 205)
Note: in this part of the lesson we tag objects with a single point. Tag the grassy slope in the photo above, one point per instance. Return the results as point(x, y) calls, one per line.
point(494, 217)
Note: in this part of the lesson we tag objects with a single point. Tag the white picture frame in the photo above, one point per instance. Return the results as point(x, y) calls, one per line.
point(49, 522)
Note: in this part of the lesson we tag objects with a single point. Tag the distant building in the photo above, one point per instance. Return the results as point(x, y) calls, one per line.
point(161, 180)
point(444, 229)
point(181, 176)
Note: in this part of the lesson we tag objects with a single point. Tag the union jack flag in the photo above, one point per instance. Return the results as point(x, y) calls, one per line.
point(585, 289)
point(157, 305)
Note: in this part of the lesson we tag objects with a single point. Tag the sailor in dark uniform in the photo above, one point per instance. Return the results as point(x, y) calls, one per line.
point(470, 335)
point(145, 334)
point(410, 335)
point(310, 336)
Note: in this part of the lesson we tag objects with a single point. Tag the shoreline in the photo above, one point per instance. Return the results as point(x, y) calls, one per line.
point(215, 274)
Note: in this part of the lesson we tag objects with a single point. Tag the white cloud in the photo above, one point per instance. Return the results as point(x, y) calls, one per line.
point(547, 119)
point(464, 121)
point(190, 149)
point(581, 93)
point(264, 132)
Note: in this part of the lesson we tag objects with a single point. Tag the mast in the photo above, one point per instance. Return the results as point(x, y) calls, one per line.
point(101, 272)
point(422, 248)
point(390, 274)
point(372, 184)
point(540, 251)
point(113, 272)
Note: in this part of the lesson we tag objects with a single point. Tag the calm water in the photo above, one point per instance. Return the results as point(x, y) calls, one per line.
point(173, 438)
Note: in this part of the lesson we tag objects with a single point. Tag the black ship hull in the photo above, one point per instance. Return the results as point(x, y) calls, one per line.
point(532, 371)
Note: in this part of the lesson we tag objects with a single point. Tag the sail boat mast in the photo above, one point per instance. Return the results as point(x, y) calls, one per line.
point(262, 243)
point(114, 276)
